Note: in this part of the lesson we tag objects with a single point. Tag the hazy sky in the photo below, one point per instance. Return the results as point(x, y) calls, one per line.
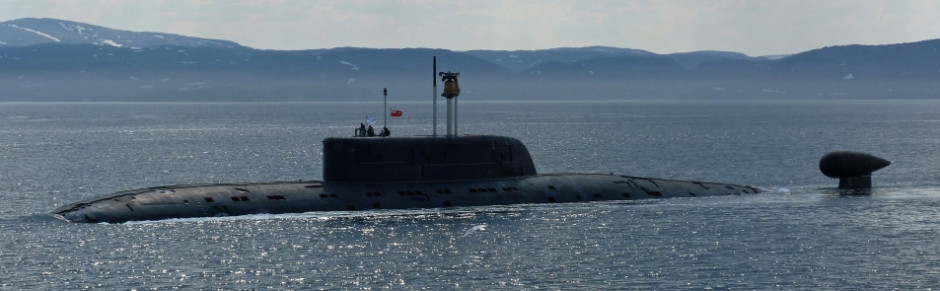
point(754, 27)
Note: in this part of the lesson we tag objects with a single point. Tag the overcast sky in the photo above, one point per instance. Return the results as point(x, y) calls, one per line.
point(753, 27)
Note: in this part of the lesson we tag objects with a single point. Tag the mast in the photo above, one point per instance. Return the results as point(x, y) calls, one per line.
point(385, 106)
point(434, 96)
point(451, 91)
point(455, 116)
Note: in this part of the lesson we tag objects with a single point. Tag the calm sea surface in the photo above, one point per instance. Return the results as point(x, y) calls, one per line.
point(800, 235)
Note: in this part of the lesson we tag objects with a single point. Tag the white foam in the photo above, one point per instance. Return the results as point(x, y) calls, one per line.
point(473, 229)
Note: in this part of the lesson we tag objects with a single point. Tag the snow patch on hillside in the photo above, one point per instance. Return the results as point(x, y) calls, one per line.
point(351, 65)
point(74, 27)
point(36, 32)
point(111, 43)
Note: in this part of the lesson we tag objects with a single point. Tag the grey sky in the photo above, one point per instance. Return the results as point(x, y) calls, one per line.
point(748, 26)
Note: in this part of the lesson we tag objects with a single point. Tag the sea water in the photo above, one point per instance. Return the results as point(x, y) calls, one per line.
point(800, 234)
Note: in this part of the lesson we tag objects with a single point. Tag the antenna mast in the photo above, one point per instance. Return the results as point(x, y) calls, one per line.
point(434, 96)
point(451, 91)
point(385, 105)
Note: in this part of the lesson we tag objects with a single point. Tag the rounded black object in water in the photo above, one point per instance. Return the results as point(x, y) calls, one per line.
point(845, 164)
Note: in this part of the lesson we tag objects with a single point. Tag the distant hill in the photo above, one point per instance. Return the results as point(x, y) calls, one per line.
point(691, 60)
point(520, 60)
point(34, 31)
point(57, 60)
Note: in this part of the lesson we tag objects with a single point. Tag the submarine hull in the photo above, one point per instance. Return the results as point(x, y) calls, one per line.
point(187, 201)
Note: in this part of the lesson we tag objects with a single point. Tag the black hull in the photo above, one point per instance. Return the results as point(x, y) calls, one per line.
point(186, 201)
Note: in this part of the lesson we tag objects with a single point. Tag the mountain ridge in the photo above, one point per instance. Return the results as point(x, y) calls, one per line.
point(87, 63)
point(33, 31)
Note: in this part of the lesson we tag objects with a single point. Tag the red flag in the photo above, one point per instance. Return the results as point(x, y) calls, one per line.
point(396, 113)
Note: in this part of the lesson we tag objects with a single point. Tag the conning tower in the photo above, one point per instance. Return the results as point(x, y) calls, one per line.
point(424, 158)
point(367, 159)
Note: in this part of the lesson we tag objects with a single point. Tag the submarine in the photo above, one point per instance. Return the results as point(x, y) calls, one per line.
point(369, 172)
